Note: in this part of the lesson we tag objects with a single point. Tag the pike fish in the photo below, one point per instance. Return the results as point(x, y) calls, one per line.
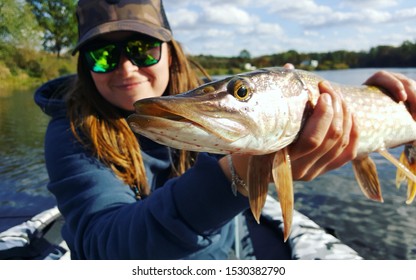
point(261, 112)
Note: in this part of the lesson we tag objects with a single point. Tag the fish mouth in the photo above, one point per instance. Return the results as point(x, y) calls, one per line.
point(167, 115)
point(156, 112)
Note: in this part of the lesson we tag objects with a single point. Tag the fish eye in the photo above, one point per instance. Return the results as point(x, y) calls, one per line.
point(240, 89)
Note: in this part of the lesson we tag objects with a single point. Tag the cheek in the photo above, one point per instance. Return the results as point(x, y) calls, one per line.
point(163, 78)
point(163, 70)
point(101, 82)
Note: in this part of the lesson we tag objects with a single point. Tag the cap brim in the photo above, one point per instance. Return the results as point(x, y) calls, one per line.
point(158, 32)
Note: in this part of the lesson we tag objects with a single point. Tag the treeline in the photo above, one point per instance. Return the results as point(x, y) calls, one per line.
point(32, 36)
point(36, 36)
point(25, 67)
point(381, 56)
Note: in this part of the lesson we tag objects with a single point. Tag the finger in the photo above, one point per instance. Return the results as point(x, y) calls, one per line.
point(350, 151)
point(398, 86)
point(339, 108)
point(335, 140)
point(289, 66)
point(341, 153)
point(349, 125)
point(321, 141)
point(343, 141)
point(324, 125)
point(315, 128)
point(392, 83)
point(410, 88)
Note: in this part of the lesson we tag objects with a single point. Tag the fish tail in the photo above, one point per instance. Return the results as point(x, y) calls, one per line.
point(406, 169)
point(408, 160)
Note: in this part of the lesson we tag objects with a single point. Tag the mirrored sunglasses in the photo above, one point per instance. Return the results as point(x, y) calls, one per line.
point(104, 57)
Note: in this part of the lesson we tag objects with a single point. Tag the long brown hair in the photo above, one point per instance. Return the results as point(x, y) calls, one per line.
point(103, 129)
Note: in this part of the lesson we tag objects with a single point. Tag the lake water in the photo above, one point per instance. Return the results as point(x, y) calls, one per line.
point(376, 230)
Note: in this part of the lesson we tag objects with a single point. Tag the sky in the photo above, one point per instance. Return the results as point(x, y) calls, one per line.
point(226, 27)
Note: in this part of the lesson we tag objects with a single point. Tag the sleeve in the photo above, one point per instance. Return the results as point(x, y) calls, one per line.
point(104, 221)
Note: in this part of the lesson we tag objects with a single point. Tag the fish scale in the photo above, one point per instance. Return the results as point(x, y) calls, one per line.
point(260, 113)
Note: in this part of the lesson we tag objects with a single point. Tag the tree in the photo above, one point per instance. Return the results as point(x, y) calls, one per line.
point(18, 26)
point(57, 18)
point(245, 55)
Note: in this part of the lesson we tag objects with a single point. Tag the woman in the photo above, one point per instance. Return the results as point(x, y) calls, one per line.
point(126, 197)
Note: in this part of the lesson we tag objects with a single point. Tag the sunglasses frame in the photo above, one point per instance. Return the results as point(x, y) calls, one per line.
point(121, 47)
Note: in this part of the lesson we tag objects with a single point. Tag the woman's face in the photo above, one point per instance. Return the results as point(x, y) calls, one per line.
point(128, 82)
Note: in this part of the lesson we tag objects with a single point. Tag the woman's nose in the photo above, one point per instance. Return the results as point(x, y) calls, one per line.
point(126, 65)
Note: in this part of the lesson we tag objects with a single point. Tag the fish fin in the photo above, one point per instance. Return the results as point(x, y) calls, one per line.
point(282, 177)
point(366, 174)
point(406, 170)
point(259, 172)
point(410, 159)
point(411, 191)
point(400, 175)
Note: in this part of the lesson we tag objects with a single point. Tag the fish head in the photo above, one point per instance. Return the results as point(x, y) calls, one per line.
point(246, 113)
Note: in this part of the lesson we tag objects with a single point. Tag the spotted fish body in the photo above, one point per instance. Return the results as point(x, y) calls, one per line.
point(260, 113)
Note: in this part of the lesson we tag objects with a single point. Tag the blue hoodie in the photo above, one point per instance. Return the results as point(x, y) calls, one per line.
point(187, 217)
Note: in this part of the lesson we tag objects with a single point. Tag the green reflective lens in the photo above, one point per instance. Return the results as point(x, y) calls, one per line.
point(104, 58)
point(143, 53)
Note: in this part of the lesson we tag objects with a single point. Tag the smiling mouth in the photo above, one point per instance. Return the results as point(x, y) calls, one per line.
point(127, 85)
point(131, 83)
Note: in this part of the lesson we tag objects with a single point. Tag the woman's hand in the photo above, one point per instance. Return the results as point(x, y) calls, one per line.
point(398, 86)
point(330, 136)
point(328, 140)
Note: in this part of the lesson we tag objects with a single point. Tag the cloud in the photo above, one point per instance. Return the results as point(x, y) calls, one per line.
point(405, 14)
point(293, 8)
point(365, 16)
point(225, 27)
point(358, 4)
point(227, 14)
point(183, 19)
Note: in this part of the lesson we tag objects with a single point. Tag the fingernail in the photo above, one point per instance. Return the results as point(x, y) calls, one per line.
point(403, 94)
point(327, 98)
point(327, 84)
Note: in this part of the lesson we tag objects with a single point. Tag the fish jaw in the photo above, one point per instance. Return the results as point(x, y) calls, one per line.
point(212, 120)
point(179, 123)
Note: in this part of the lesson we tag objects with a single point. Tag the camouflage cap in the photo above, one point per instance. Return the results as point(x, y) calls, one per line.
point(97, 17)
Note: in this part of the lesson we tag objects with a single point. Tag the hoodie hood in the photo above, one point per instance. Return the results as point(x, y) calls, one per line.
point(50, 96)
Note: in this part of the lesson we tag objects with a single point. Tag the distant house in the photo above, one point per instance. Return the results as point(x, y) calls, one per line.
point(310, 63)
point(249, 67)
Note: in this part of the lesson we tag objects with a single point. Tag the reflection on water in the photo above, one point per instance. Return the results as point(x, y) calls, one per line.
point(334, 201)
point(375, 230)
point(22, 171)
